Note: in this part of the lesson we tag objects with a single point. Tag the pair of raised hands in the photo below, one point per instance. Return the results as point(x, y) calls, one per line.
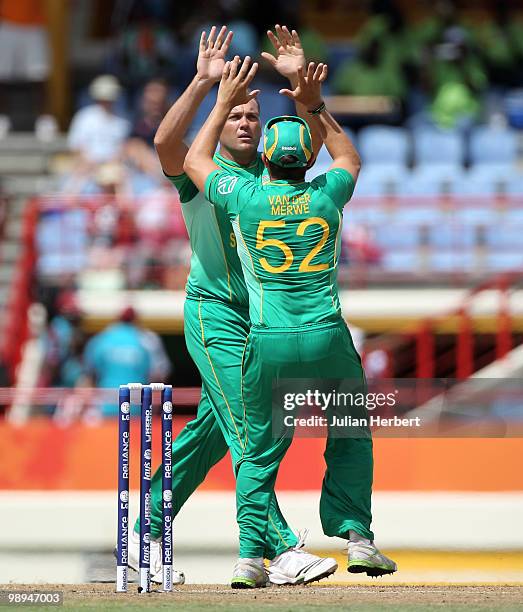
point(235, 76)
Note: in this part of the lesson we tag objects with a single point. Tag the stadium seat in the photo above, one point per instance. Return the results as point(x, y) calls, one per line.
point(485, 179)
point(515, 185)
point(62, 242)
point(400, 261)
point(499, 261)
point(380, 179)
point(491, 145)
point(504, 236)
point(476, 215)
point(390, 235)
point(452, 261)
point(514, 215)
point(410, 212)
point(432, 179)
point(383, 145)
point(513, 103)
point(366, 214)
point(433, 146)
point(451, 235)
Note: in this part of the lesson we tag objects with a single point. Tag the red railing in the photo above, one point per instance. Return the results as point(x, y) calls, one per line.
point(464, 352)
point(16, 319)
point(415, 352)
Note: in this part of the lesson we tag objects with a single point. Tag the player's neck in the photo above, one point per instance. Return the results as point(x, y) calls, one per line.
point(238, 157)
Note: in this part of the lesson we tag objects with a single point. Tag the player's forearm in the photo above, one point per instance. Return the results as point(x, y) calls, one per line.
point(338, 144)
point(172, 130)
point(301, 111)
point(199, 159)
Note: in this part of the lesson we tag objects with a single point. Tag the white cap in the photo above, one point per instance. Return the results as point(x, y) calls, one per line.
point(105, 88)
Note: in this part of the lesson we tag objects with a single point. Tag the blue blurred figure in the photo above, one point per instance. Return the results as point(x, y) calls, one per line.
point(118, 355)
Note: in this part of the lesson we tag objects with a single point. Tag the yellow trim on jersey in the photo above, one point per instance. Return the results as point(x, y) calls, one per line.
point(214, 372)
point(224, 256)
point(334, 259)
point(308, 153)
point(243, 400)
point(270, 152)
point(277, 531)
point(237, 221)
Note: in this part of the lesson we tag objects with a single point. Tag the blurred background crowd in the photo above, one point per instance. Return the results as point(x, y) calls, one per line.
point(430, 91)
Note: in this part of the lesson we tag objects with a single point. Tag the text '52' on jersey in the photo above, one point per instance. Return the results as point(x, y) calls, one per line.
point(288, 236)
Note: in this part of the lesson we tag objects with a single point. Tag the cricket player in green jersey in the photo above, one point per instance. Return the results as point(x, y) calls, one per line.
point(216, 313)
point(288, 236)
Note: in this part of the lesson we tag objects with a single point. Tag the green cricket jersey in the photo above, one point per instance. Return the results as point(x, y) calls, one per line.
point(288, 237)
point(216, 271)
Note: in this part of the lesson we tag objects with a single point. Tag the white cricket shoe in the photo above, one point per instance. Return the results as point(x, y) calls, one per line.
point(297, 566)
point(156, 560)
point(363, 556)
point(249, 574)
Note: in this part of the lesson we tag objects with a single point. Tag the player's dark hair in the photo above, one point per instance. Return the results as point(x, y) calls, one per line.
point(281, 173)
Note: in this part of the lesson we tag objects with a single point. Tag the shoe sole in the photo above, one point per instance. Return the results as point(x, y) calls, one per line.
point(373, 571)
point(325, 574)
point(245, 583)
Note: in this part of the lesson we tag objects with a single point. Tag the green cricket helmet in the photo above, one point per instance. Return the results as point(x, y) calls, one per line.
point(287, 136)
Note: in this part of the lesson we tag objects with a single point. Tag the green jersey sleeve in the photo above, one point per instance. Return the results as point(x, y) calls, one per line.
point(337, 184)
point(186, 188)
point(229, 191)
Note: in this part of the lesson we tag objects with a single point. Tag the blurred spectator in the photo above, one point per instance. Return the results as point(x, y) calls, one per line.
point(23, 41)
point(500, 42)
point(358, 246)
point(451, 71)
point(113, 232)
point(97, 134)
point(386, 25)
point(154, 104)
point(440, 26)
point(61, 239)
point(64, 344)
point(371, 74)
point(145, 48)
point(382, 56)
point(118, 355)
point(314, 45)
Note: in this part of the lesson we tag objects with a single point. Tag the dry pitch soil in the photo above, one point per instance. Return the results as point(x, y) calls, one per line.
point(356, 598)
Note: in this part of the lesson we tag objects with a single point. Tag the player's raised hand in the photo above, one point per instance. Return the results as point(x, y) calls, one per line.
point(308, 90)
point(289, 52)
point(211, 54)
point(236, 78)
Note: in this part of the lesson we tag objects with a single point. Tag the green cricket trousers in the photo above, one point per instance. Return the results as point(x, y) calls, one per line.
point(322, 351)
point(216, 335)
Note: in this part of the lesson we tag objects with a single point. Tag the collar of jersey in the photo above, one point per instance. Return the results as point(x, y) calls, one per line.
point(283, 183)
point(232, 164)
